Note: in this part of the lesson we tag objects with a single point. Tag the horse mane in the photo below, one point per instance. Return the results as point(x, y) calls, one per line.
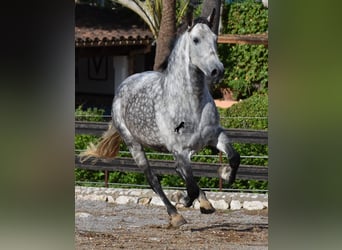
point(182, 28)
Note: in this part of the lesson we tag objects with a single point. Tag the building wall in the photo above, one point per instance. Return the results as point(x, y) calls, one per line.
point(120, 69)
point(98, 74)
point(95, 75)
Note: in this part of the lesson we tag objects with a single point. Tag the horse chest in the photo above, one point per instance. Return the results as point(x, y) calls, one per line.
point(188, 127)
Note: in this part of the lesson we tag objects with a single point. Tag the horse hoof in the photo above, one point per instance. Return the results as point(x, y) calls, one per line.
point(177, 220)
point(206, 207)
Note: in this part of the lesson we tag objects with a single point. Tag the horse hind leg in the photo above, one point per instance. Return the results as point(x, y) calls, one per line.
point(176, 219)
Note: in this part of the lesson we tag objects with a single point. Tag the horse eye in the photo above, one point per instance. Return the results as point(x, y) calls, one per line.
point(196, 40)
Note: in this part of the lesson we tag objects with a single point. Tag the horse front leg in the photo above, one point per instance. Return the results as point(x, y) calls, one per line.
point(184, 169)
point(223, 144)
point(139, 156)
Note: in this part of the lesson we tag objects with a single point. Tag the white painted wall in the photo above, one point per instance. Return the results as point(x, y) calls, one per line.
point(120, 68)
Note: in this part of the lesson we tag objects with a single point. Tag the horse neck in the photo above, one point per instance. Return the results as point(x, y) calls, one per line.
point(182, 77)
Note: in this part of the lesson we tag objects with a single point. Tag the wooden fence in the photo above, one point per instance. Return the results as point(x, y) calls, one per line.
point(235, 135)
point(257, 39)
point(249, 172)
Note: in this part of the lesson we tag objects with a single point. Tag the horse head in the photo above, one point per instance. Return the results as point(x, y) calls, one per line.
point(203, 49)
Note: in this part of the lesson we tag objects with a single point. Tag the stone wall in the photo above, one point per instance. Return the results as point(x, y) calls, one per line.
point(220, 200)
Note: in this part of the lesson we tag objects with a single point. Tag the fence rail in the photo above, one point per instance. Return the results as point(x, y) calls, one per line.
point(235, 135)
point(246, 172)
point(249, 172)
point(257, 39)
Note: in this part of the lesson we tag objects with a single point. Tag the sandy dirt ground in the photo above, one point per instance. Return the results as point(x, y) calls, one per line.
point(102, 225)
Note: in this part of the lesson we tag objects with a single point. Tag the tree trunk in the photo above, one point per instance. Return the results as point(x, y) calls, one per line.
point(207, 8)
point(166, 34)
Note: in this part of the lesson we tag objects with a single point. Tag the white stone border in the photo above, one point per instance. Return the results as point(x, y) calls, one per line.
point(220, 200)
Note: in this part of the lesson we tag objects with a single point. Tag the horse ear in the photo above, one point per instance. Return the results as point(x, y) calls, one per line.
point(190, 24)
point(211, 18)
point(189, 21)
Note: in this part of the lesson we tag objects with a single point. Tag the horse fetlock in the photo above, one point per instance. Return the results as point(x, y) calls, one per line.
point(177, 220)
point(234, 161)
point(186, 201)
point(206, 207)
point(234, 164)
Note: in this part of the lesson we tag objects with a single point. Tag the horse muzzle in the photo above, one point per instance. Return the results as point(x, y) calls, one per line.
point(217, 73)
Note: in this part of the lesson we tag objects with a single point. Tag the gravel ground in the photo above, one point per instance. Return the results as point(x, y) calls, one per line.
point(103, 225)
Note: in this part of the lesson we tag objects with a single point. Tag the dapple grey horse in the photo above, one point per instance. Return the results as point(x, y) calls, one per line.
point(172, 111)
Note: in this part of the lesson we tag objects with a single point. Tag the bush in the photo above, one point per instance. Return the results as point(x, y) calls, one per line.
point(254, 106)
point(127, 178)
point(90, 114)
point(250, 113)
point(81, 142)
point(245, 17)
point(246, 66)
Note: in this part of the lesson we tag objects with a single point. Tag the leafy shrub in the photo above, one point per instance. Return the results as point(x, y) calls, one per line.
point(246, 66)
point(127, 178)
point(245, 17)
point(172, 181)
point(90, 114)
point(250, 113)
point(81, 142)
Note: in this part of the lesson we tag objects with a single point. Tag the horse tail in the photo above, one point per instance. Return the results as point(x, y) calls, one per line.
point(107, 147)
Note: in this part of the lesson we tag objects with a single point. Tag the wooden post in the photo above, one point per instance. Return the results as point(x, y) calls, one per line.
point(220, 180)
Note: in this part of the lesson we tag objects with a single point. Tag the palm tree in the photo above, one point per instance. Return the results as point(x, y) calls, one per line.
point(166, 34)
point(160, 20)
point(161, 17)
point(149, 10)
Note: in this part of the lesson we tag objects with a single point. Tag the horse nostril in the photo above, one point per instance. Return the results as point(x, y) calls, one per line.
point(214, 72)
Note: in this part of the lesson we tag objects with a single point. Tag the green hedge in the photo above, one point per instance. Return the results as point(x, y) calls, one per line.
point(250, 113)
point(246, 66)
point(253, 112)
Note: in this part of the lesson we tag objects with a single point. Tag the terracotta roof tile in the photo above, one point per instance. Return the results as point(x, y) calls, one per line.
point(102, 27)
